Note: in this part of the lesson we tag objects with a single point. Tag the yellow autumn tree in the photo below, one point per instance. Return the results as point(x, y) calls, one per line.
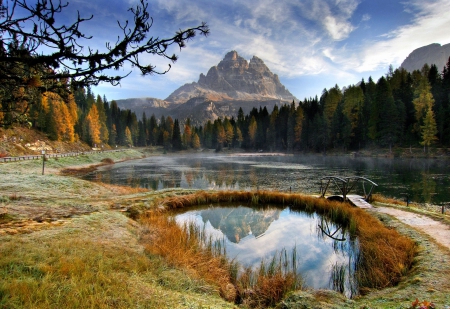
point(253, 126)
point(60, 124)
point(423, 101)
point(128, 137)
point(73, 109)
point(187, 135)
point(93, 126)
point(429, 129)
point(195, 141)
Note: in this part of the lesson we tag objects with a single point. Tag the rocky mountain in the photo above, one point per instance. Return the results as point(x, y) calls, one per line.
point(232, 84)
point(234, 79)
point(431, 54)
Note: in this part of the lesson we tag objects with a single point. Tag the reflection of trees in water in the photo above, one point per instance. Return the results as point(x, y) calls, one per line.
point(343, 274)
point(236, 223)
point(225, 175)
point(425, 189)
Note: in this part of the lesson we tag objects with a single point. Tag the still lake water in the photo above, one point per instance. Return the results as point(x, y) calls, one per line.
point(424, 180)
point(254, 234)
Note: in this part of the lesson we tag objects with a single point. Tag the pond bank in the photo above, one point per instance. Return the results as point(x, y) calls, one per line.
point(97, 247)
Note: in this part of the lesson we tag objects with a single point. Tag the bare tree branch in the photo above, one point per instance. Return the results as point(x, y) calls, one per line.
point(22, 40)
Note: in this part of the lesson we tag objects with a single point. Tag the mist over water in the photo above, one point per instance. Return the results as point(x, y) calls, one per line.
point(424, 180)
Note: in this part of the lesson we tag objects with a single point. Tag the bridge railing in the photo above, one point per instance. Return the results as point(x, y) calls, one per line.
point(346, 185)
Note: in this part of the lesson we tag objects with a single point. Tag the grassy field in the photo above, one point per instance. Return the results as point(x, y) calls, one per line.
point(70, 243)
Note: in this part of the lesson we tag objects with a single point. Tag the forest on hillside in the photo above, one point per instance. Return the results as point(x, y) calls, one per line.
point(400, 109)
point(51, 93)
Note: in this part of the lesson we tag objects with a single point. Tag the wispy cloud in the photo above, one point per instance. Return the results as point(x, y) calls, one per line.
point(294, 38)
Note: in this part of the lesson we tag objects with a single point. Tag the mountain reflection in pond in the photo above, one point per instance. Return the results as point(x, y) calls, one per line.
point(424, 180)
point(253, 234)
point(237, 223)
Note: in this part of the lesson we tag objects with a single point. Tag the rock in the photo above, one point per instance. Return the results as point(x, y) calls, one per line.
point(234, 78)
point(430, 54)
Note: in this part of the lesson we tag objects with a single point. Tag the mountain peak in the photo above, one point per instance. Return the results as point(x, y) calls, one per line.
point(235, 78)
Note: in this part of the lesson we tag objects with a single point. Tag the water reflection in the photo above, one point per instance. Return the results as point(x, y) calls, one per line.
point(253, 234)
point(237, 223)
point(424, 180)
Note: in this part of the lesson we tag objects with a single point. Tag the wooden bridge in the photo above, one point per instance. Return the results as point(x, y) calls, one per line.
point(345, 185)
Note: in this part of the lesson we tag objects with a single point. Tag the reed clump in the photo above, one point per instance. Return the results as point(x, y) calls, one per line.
point(385, 255)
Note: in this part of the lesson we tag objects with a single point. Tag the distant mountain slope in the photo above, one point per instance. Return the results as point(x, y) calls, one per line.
point(234, 83)
point(234, 79)
point(150, 106)
point(431, 54)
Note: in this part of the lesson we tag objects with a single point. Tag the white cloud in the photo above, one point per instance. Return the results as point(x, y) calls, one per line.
point(338, 30)
point(428, 26)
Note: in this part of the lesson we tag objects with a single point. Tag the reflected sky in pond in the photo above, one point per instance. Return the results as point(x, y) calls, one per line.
point(424, 180)
point(253, 234)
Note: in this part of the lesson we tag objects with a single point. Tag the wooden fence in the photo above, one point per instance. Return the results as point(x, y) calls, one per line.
point(53, 155)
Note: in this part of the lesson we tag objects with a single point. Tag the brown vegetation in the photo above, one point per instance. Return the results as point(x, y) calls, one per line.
point(385, 255)
point(86, 169)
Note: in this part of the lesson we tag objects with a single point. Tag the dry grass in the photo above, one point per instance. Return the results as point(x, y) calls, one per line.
point(385, 255)
point(386, 200)
point(73, 171)
point(93, 262)
point(205, 259)
point(183, 249)
point(122, 190)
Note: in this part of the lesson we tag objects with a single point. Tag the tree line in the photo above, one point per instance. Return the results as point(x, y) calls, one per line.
point(400, 109)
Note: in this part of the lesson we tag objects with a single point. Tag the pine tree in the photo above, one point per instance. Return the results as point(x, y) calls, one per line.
point(176, 135)
point(299, 117)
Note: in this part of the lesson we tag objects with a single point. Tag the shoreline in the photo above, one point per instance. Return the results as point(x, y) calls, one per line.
point(58, 208)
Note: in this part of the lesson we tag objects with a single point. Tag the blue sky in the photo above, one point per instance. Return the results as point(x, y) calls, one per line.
point(310, 44)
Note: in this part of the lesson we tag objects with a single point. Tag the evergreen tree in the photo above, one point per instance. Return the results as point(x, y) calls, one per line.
point(176, 136)
point(142, 138)
point(389, 127)
point(298, 128)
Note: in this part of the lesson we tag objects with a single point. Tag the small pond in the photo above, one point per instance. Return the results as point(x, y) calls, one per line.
point(253, 234)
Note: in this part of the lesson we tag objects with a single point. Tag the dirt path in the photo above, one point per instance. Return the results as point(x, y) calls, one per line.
point(437, 230)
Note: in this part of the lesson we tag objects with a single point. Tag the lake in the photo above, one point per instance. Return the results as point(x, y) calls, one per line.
point(423, 180)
